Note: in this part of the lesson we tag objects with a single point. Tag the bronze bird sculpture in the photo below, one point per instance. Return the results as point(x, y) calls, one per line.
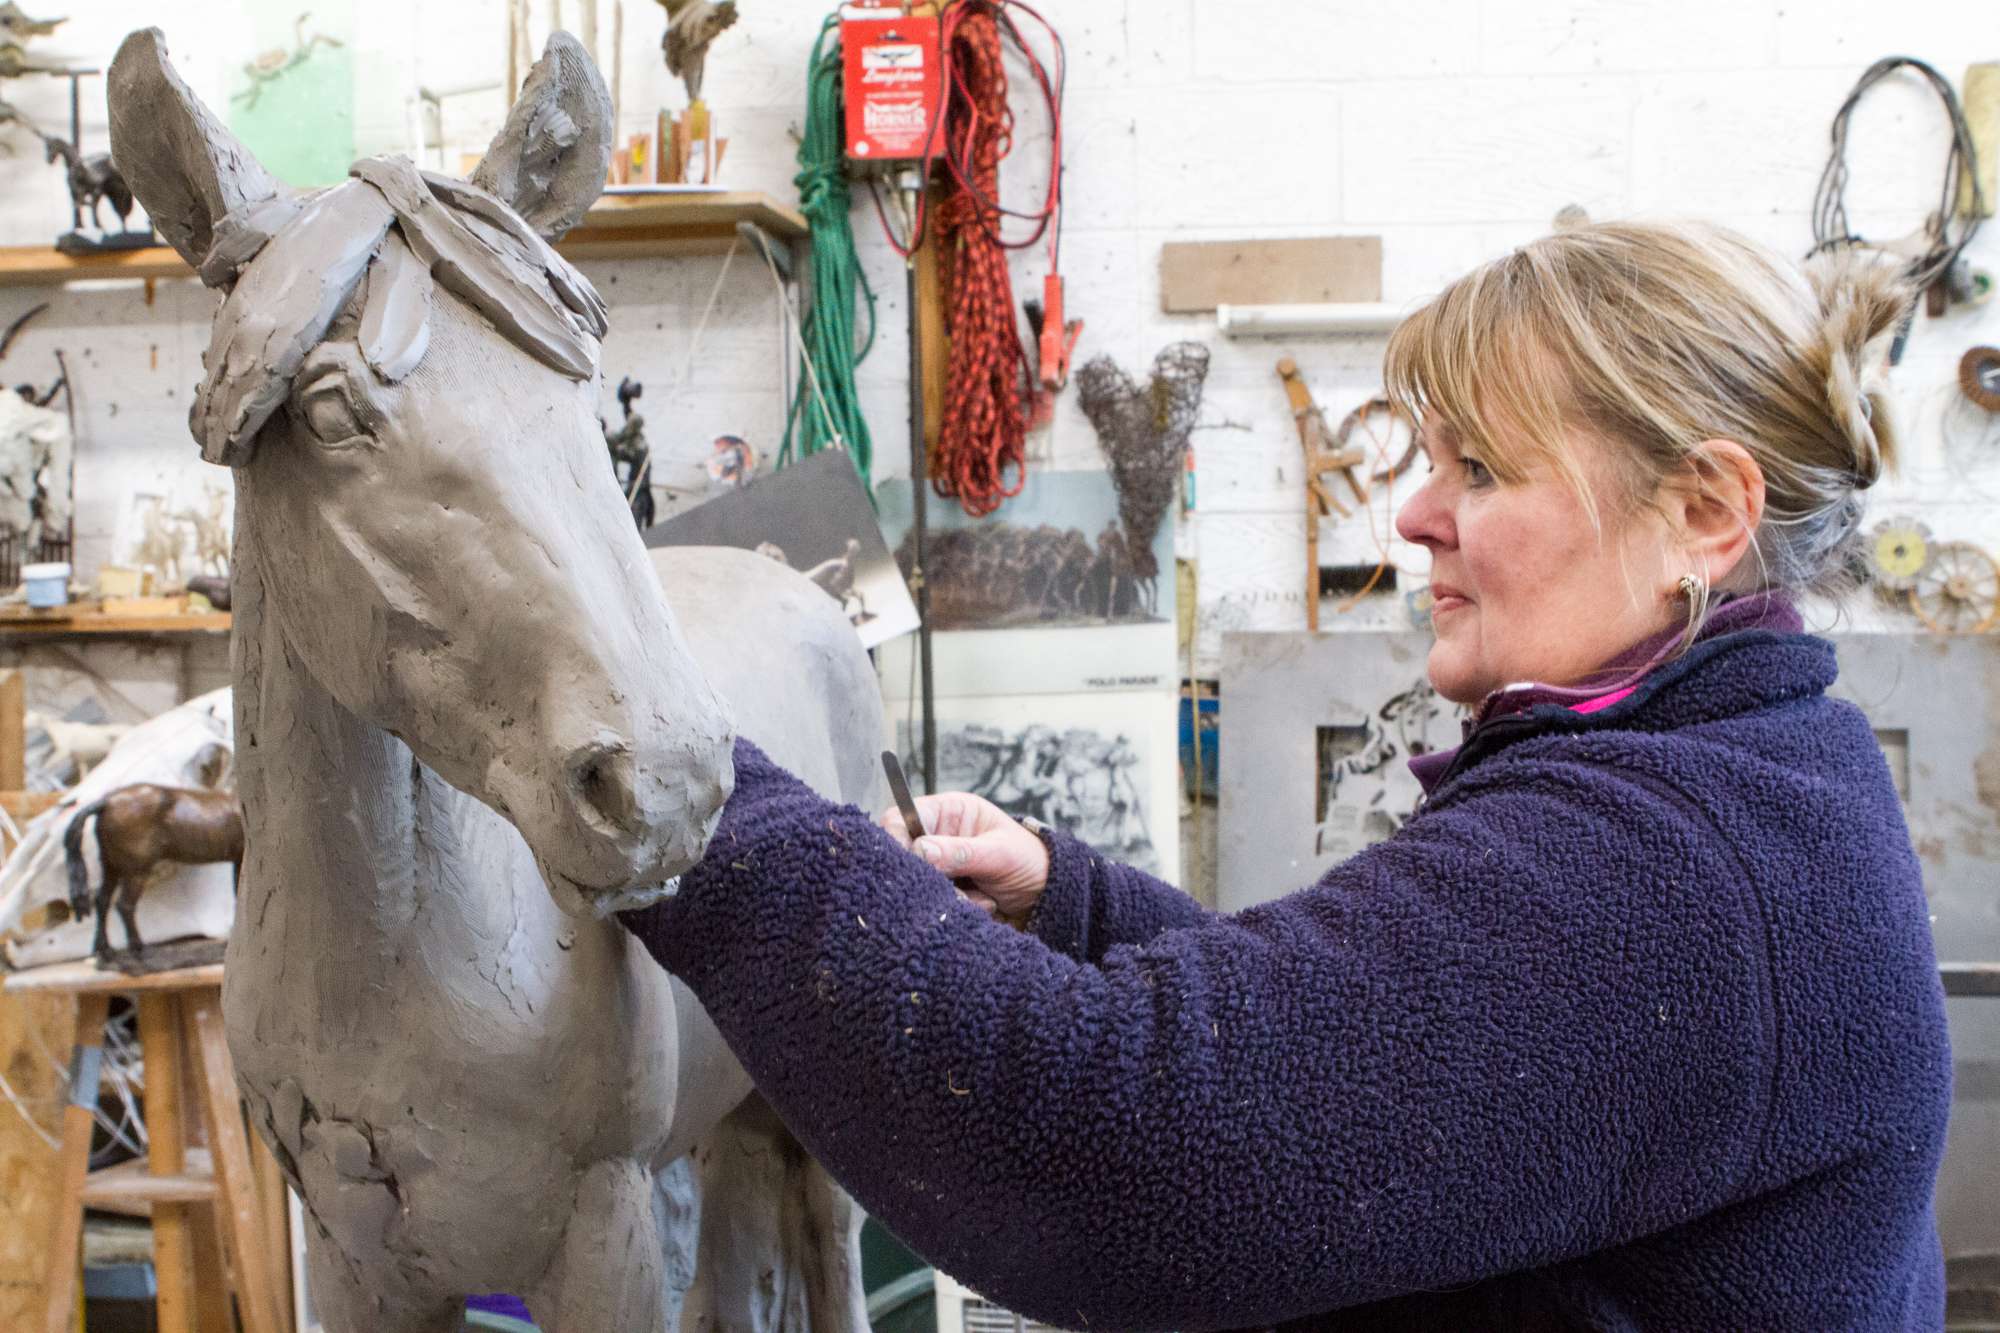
point(691, 26)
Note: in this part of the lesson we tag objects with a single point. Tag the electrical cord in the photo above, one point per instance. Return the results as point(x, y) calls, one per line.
point(642, 476)
point(957, 103)
point(790, 332)
point(1831, 229)
point(21, 1105)
point(833, 346)
point(123, 1068)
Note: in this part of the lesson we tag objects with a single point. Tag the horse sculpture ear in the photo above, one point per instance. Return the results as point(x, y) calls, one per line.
point(548, 161)
point(181, 163)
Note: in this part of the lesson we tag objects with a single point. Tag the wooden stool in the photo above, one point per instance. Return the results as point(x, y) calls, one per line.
point(196, 1196)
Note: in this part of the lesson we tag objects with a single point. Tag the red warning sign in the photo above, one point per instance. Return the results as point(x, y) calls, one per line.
point(892, 81)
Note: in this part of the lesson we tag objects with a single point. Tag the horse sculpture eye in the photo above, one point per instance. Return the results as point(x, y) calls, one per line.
point(332, 418)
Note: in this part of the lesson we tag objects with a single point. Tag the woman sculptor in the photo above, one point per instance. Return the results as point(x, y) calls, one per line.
point(1636, 1023)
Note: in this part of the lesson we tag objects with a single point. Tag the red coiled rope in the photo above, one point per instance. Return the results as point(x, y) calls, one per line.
point(990, 380)
point(985, 429)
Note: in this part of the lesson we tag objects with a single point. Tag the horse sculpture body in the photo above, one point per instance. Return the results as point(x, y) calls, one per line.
point(142, 829)
point(469, 723)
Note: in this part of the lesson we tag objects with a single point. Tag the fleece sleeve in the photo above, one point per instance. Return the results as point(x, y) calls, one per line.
point(1526, 1029)
point(1092, 903)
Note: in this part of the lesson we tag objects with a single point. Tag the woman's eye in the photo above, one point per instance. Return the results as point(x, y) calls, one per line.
point(1476, 472)
point(332, 418)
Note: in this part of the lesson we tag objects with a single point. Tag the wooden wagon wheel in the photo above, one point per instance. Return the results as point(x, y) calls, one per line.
point(1979, 377)
point(1379, 406)
point(1958, 591)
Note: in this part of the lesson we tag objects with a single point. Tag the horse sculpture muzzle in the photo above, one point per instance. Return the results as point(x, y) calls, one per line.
point(614, 813)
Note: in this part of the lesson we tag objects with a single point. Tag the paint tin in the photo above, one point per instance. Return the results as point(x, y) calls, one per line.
point(48, 584)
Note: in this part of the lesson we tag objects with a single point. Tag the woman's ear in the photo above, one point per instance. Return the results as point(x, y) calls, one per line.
point(1715, 508)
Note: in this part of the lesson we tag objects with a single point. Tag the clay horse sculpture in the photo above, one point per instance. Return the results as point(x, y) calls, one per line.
point(466, 697)
point(142, 830)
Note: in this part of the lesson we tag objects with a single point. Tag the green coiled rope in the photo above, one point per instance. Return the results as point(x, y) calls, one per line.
point(826, 409)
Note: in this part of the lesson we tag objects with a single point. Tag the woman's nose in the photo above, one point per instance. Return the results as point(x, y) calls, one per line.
point(1425, 518)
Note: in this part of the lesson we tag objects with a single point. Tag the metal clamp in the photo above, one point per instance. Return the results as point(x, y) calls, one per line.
point(86, 1068)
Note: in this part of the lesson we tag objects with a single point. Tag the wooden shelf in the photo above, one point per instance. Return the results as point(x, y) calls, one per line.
point(619, 226)
point(85, 977)
point(81, 619)
point(132, 1189)
point(623, 226)
point(43, 265)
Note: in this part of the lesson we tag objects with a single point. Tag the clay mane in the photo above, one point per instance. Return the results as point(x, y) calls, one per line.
point(397, 229)
point(473, 717)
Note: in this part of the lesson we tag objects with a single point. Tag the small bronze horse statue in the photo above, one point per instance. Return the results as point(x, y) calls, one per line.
point(139, 829)
point(92, 181)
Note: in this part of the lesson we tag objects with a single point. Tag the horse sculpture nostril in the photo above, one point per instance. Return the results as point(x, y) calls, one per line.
point(600, 777)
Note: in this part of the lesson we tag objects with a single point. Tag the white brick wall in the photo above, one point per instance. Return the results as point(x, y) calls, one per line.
point(1453, 130)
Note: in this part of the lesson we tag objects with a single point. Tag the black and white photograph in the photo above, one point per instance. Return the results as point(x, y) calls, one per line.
point(1058, 556)
point(1366, 789)
point(813, 516)
point(1103, 769)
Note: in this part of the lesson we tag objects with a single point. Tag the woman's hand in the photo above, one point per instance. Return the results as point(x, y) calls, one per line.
point(1002, 866)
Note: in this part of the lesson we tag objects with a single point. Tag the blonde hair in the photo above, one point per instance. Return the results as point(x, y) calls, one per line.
point(1660, 336)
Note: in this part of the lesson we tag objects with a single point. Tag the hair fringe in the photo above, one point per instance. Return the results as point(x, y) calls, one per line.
point(1660, 336)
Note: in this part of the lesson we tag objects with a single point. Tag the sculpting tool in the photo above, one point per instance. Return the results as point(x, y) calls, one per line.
point(913, 822)
point(899, 787)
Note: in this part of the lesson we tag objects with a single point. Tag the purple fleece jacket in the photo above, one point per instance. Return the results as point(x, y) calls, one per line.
point(1635, 1025)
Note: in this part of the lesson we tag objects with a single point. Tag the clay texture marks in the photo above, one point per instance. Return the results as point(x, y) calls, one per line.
point(549, 157)
point(464, 703)
point(614, 799)
point(149, 103)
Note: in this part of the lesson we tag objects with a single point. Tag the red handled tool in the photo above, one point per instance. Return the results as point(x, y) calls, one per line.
point(1058, 339)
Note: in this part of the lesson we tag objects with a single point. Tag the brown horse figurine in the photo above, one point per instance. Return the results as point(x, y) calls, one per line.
point(140, 828)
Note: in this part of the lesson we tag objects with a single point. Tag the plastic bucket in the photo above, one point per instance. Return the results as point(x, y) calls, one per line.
point(47, 584)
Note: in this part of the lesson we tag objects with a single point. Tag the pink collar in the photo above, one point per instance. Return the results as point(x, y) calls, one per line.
point(1619, 677)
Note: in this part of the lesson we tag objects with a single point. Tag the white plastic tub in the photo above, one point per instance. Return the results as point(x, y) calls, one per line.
point(47, 584)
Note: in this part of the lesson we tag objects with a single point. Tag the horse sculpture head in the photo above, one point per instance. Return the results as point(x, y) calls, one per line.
point(403, 375)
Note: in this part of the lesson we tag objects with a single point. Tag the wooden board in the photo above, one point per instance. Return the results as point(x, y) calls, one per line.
point(22, 806)
point(85, 977)
point(13, 732)
point(243, 1233)
point(1201, 275)
point(617, 226)
point(1981, 100)
point(144, 608)
point(29, 265)
point(18, 622)
point(166, 1053)
point(31, 1026)
point(933, 343)
point(62, 1266)
point(690, 209)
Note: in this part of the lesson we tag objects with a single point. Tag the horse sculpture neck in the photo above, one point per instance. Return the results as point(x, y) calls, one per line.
point(424, 1037)
point(358, 852)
